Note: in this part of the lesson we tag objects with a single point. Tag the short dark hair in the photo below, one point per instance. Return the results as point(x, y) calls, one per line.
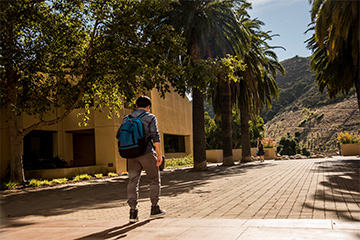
point(143, 101)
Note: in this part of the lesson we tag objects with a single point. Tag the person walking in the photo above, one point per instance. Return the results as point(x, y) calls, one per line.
point(150, 161)
point(260, 151)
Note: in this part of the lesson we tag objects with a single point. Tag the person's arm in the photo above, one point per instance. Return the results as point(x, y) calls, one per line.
point(159, 154)
point(155, 136)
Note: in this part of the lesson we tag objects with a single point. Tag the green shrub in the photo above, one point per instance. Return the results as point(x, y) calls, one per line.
point(9, 185)
point(305, 152)
point(288, 145)
point(179, 162)
point(302, 122)
point(345, 137)
point(59, 180)
point(320, 116)
point(45, 182)
point(36, 183)
point(256, 129)
point(100, 175)
point(110, 174)
point(212, 132)
point(81, 177)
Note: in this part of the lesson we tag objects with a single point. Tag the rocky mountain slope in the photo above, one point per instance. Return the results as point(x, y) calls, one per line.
point(301, 108)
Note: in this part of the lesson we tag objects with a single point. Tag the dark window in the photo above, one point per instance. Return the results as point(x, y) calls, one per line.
point(38, 151)
point(174, 143)
point(38, 145)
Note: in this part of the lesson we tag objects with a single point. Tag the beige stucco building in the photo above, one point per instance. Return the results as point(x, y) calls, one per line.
point(93, 149)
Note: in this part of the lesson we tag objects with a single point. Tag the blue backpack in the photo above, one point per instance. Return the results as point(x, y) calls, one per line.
point(131, 137)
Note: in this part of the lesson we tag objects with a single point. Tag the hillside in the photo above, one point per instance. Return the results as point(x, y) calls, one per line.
point(301, 108)
point(297, 89)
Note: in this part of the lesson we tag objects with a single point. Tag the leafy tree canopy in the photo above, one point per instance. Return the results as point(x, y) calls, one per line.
point(60, 53)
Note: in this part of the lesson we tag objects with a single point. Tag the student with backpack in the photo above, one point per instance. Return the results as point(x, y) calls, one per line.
point(136, 136)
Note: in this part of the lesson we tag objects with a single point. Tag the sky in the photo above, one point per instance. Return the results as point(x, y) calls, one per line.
point(289, 19)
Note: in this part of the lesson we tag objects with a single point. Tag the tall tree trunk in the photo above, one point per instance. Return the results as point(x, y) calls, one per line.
point(199, 130)
point(16, 164)
point(15, 140)
point(15, 136)
point(199, 142)
point(226, 123)
point(245, 134)
point(357, 87)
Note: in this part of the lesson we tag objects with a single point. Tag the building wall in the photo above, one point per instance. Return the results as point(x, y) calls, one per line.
point(174, 116)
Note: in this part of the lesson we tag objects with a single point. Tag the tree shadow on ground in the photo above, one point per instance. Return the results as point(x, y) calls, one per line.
point(179, 181)
point(342, 186)
point(64, 199)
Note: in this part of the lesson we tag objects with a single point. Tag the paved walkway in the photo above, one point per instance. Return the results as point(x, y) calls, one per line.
point(292, 199)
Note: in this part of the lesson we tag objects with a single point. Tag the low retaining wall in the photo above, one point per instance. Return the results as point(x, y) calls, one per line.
point(216, 156)
point(237, 154)
point(270, 153)
point(65, 172)
point(350, 149)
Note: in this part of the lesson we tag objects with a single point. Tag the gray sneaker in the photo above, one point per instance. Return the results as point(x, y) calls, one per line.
point(156, 212)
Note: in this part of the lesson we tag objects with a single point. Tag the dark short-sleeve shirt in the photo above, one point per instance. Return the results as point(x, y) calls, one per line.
point(150, 128)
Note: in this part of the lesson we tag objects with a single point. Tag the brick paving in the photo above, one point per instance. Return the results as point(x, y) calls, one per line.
point(297, 189)
point(307, 189)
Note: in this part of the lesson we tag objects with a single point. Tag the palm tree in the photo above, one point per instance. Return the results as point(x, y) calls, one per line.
point(220, 91)
point(210, 29)
point(226, 122)
point(257, 87)
point(221, 98)
point(335, 45)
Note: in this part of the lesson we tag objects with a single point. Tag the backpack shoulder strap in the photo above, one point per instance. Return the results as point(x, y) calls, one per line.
point(142, 115)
